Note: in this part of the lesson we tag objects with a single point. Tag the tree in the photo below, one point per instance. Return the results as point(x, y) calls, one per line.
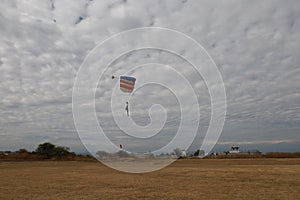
point(199, 153)
point(61, 151)
point(49, 150)
point(177, 152)
point(123, 154)
point(45, 149)
point(22, 151)
point(102, 154)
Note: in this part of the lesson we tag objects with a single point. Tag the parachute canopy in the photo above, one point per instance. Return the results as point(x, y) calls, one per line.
point(127, 83)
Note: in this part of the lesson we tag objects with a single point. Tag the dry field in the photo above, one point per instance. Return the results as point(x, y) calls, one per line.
point(184, 179)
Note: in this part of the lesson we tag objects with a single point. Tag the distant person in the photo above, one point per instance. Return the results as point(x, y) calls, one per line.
point(127, 109)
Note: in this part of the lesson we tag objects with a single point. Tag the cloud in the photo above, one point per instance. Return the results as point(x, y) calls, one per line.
point(254, 44)
point(259, 142)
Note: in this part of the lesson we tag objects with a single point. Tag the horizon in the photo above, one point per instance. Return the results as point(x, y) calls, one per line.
point(281, 147)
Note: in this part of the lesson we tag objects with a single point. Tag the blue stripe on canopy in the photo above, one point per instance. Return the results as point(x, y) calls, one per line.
point(128, 78)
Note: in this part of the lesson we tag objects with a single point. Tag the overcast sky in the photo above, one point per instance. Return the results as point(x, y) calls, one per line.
point(255, 45)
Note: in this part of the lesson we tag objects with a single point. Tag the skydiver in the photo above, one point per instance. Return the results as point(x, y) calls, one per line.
point(127, 108)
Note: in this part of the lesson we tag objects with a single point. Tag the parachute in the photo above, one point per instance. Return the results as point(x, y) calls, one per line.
point(127, 83)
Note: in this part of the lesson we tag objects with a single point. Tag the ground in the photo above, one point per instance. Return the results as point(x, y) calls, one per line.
point(184, 179)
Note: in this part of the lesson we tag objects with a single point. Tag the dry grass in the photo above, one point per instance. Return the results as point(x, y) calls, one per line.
point(184, 179)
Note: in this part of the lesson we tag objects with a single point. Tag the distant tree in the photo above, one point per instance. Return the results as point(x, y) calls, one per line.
point(102, 154)
point(123, 154)
point(177, 152)
point(151, 155)
point(45, 149)
point(61, 151)
point(49, 150)
point(23, 151)
point(201, 153)
point(258, 152)
point(197, 152)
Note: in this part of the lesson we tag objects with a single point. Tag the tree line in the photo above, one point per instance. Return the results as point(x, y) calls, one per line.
point(45, 150)
point(49, 151)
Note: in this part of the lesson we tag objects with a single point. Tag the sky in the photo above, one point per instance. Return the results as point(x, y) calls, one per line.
point(254, 44)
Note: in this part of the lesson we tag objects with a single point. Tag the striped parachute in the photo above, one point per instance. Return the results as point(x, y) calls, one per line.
point(127, 83)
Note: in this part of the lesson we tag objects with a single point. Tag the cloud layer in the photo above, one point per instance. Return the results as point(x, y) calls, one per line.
point(255, 45)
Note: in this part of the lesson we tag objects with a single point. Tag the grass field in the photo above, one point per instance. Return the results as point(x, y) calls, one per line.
point(184, 179)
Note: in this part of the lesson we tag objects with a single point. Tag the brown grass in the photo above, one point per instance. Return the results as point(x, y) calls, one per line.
point(184, 179)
